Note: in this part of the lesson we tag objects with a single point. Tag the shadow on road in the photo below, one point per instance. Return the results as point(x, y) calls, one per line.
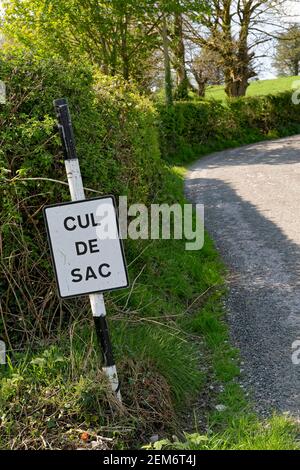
point(264, 299)
point(279, 152)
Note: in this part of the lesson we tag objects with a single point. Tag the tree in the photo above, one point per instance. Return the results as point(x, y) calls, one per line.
point(167, 63)
point(116, 35)
point(179, 57)
point(119, 36)
point(173, 42)
point(287, 57)
point(206, 70)
point(233, 29)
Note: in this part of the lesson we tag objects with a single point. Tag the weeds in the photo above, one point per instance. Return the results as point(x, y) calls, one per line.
point(278, 433)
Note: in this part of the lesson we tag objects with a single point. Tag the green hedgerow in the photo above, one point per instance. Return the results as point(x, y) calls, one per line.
point(193, 128)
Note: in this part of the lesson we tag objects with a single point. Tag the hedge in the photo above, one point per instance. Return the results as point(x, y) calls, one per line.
point(117, 143)
point(190, 129)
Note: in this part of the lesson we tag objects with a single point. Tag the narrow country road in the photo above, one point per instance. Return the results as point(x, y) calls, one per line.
point(252, 211)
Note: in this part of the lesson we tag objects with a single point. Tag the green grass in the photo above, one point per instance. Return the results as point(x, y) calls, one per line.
point(247, 433)
point(257, 88)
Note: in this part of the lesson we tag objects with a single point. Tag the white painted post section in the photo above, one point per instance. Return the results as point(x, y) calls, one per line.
point(2, 352)
point(96, 300)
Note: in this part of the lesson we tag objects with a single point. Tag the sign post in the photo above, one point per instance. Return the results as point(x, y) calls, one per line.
point(84, 262)
point(2, 353)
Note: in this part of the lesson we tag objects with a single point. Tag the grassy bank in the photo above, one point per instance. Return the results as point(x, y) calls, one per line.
point(256, 88)
point(54, 395)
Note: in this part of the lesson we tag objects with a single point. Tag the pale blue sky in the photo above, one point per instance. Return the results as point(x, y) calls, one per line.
point(292, 10)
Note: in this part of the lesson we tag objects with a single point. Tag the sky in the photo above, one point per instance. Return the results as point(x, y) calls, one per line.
point(292, 8)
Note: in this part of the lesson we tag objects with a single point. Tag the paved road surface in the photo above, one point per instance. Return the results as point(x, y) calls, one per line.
point(252, 211)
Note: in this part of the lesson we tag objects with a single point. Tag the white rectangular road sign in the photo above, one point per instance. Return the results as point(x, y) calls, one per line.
point(86, 249)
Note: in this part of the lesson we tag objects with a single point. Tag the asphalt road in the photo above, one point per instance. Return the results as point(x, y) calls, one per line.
point(252, 211)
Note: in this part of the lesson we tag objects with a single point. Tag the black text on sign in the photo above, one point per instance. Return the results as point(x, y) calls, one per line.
point(85, 245)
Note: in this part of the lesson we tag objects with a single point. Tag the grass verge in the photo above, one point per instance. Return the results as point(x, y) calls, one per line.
point(227, 421)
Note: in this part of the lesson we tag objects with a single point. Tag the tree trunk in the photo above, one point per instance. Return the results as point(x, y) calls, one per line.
point(238, 72)
point(296, 67)
point(179, 63)
point(201, 82)
point(235, 89)
point(167, 63)
point(124, 51)
point(201, 89)
point(238, 66)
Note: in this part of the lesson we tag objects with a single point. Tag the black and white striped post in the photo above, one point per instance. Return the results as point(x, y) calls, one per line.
point(77, 194)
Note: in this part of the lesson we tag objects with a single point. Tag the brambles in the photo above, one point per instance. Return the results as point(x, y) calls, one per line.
point(118, 149)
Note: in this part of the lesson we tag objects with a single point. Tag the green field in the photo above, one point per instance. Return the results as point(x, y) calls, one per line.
point(257, 88)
